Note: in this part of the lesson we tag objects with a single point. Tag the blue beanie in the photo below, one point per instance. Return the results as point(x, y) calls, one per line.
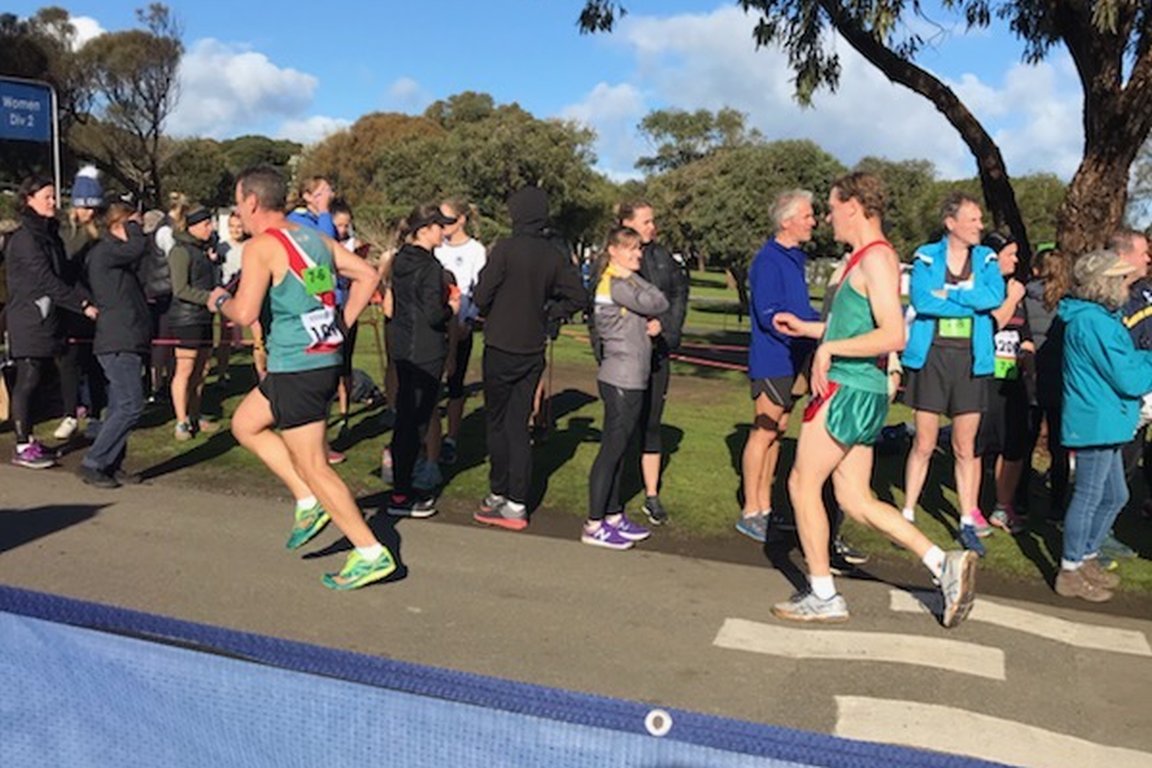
point(86, 189)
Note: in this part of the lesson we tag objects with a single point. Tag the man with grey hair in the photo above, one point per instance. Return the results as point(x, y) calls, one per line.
point(1132, 246)
point(777, 283)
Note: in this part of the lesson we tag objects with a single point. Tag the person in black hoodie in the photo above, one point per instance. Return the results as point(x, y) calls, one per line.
point(527, 283)
point(669, 275)
point(123, 339)
point(421, 310)
point(36, 291)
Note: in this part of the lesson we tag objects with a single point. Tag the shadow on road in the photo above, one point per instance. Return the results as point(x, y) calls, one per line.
point(21, 526)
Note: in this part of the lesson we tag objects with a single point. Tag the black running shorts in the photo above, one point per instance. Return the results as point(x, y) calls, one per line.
point(300, 398)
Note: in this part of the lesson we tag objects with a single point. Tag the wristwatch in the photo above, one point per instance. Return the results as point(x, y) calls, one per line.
point(221, 299)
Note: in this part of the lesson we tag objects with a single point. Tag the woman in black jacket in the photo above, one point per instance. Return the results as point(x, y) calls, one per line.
point(123, 339)
point(421, 310)
point(194, 274)
point(35, 258)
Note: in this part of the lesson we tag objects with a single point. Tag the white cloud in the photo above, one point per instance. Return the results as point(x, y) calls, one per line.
point(710, 61)
point(311, 129)
point(86, 28)
point(406, 95)
point(613, 111)
point(226, 90)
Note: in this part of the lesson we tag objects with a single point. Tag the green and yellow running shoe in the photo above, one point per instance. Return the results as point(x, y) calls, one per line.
point(358, 572)
point(309, 522)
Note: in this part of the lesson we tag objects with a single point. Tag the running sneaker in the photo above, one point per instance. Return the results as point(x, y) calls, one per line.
point(630, 530)
point(654, 510)
point(808, 608)
point(335, 457)
point(358, 572)
point(182, 432)
point(605, 536)
point(448, 452)
point(1005, 518)
point(309, 522)
point(754, 526)
point(980, 522)
point(411, 505)
point(491, 502)
point(958, 585)
point(847, 553)
point(33, 456)
point(501, 515)
point(67, 428)
point(1116, 549)
point(970, 540)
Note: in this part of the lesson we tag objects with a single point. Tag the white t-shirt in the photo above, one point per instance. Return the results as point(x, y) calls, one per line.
point(464, 261)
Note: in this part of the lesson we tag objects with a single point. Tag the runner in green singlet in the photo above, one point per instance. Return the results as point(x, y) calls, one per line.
point(848, 408)
point(288, 281)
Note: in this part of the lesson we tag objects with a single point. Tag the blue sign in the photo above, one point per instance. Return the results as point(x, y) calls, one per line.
point(25, 111)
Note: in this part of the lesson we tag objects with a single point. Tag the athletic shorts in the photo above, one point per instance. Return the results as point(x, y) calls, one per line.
point(1004, 427)
point(192, 336)
point(778, 389)
point(945, 385)
point(300, 398)
point(463, 352)
point(854, 417)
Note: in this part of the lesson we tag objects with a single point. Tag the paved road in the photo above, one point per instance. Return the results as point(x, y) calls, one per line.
point(1019, 682)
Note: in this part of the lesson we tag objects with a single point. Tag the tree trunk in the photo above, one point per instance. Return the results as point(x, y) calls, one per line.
point(1094, 204)
point(994, 179)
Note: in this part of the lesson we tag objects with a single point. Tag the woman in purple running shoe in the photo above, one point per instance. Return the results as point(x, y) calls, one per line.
point(625, 308)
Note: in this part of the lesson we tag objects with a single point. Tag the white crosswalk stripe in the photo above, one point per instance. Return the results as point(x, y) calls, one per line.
point(1032, 622)
point(951, 655)
point(947, 729)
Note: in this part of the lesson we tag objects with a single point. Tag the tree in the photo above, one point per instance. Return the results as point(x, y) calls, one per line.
point(1110, 42)
point(681, 137)
point(42, 48)
point(719, 205)
point(134, 75)
point(198, 169)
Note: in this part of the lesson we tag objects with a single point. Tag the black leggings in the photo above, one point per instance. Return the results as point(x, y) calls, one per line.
point(418, 393)
point(75, 364)
point(652, 411)
point(29, 372)
point(621, 418)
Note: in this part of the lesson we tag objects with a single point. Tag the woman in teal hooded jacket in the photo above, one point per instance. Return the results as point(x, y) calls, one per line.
point(1104, 378)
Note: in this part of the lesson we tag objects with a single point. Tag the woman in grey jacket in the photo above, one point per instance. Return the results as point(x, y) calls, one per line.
point(625, 305)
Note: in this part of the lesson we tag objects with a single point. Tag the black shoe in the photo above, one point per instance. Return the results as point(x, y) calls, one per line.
point(841, 549)
point(128, 478)
point(96, 478)
point(655, 511)
point(411, 505)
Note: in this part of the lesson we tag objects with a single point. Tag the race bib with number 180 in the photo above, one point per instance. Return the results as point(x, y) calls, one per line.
point(322, 329)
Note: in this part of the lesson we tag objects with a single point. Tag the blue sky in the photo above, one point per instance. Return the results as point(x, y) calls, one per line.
point(290, 70)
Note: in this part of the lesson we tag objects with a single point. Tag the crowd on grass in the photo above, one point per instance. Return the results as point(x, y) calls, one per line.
point(122, 307)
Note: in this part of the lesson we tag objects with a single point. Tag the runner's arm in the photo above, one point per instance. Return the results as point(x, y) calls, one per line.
point(255, 277)
point(362, 276)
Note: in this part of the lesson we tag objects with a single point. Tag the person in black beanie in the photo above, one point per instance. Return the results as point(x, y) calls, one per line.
point(37, 292)
point(123, 339)
point(669, 274)
point(527, 283)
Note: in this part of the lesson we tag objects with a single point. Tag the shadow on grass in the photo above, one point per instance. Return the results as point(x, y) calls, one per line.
point(21, 526)
point(215, 446)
